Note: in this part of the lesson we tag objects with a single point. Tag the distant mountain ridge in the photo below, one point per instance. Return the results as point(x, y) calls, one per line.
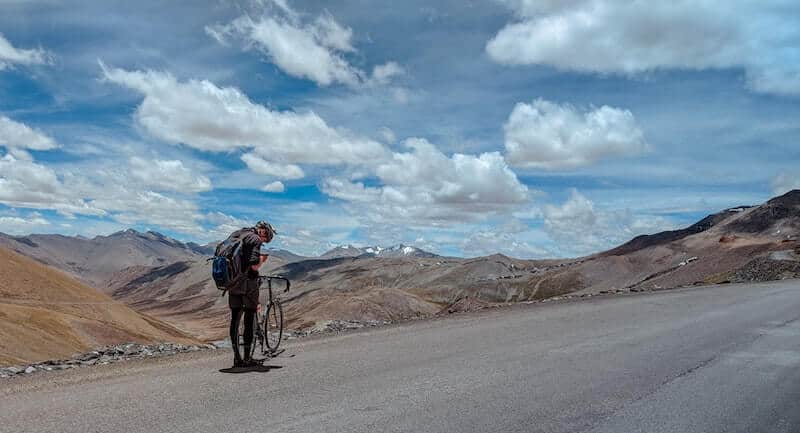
point(97, 259)
point(747, 243)
point(399, 250)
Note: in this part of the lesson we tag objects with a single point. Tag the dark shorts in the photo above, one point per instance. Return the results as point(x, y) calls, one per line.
point(248, 300)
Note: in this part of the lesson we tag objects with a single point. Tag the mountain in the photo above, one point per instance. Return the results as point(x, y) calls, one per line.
point(342, 251)
point(47, 314)
point(748, 243)
point(96, 260)
point(399, 250)
point(285, 255)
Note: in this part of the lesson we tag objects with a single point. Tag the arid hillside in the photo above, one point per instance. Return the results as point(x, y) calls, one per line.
point(749, 243)
point(742, 244)
point(46, 314)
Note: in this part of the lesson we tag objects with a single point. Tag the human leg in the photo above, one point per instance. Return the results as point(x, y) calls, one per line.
point(236, 314)
point(249, 319)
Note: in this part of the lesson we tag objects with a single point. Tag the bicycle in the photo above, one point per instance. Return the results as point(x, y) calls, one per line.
point(268, 326)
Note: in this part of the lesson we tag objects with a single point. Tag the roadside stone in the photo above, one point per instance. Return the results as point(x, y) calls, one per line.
point(30, 370)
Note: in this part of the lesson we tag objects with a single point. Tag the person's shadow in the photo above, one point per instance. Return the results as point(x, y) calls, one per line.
point(250, 369)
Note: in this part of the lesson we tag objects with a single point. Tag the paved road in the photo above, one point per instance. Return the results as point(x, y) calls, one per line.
point(716, 359)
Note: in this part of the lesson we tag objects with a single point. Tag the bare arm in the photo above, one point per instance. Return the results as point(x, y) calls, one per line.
point(261, 261)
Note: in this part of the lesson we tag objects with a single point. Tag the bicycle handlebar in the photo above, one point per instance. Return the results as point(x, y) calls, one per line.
point(269, 278)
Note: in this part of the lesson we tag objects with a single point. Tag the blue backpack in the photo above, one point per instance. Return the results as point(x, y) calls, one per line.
point(226, 265)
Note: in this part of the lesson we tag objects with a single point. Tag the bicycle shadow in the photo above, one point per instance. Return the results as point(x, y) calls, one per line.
point(250, 369)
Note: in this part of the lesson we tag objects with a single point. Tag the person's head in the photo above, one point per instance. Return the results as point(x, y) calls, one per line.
point(265, 231)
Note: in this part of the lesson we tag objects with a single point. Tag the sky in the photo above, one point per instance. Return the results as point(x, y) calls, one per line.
point(536, 129)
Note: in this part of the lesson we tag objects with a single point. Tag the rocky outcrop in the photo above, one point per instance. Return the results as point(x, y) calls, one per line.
point(105, 355)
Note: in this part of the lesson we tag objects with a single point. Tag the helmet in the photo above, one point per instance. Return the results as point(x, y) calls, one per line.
point(268, 227)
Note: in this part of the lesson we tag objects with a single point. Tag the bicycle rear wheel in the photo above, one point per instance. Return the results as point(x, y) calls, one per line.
point(273, 325)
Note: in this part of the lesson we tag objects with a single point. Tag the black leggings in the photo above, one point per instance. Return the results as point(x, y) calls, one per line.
point(249, 319)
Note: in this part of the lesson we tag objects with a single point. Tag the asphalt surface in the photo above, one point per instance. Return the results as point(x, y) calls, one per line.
point(713, 359)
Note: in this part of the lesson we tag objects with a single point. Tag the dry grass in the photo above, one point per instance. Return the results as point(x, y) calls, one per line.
point(46, 314)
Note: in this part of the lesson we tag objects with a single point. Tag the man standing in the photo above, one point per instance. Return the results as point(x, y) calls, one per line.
point(243, 298)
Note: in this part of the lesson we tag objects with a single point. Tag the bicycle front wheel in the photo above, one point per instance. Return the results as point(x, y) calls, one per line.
point(273, 325)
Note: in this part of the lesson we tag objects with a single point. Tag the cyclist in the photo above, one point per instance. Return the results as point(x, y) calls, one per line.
point(244, 298)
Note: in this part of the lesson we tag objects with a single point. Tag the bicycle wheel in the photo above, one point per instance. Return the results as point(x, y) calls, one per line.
point(259, 337)
point(242, 343)
point(273, 325)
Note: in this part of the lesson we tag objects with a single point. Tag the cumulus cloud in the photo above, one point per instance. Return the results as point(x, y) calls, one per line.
point(168, 175)
point(276, 186)
point(10, 55)
point(314, 49)
point(16, 137)
point(14, 225)
point(784, 183)
point(551, 136)
point(203, 116)
point(428, 185)
point(224, 224)
point(261, 166)
point(382, 74)
point(578, 228)
point(27, 184)
point(387, 134)
point(610, 36)
point(119, 194)
point(131, 206)
point(486, 242)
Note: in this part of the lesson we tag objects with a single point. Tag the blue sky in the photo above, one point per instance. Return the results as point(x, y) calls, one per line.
point(530, 128)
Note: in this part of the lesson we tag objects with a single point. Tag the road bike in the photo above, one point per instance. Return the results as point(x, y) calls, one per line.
point(268, 326)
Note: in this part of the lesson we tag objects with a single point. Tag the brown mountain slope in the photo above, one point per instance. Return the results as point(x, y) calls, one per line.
point(181, 293)
point(742, 243)
point(46, 314)
point(728, 241)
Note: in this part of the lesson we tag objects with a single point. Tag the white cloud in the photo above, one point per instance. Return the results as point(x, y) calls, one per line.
point(785, 182)
point(551, 136)
point(425, 184)
point(283, 171)
point(224, 225)
point(486, 242)
point(129, 207)
point(579, 229)
point(16, 136)
point(276, 186)
point(117, 194)
point(382, 74)
point(14, 225)
point(27, 184)
point(165, 175)
point(388, 135)
point(610, 36)
point(312, 49)
point(206, 117)
point(10, 55)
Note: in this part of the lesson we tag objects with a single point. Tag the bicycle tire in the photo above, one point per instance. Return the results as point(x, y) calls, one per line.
point(259, 339)
point(273, 325)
